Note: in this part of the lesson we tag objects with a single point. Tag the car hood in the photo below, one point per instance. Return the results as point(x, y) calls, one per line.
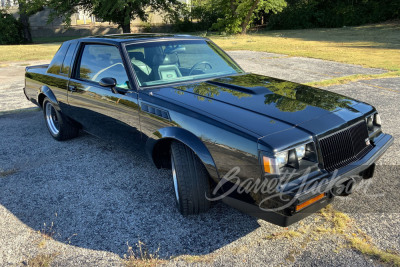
point(254, 102)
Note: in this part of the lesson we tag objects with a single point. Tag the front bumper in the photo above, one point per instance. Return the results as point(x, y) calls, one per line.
point(325, 181)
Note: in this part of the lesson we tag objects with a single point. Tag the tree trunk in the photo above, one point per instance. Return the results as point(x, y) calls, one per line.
point(24, 19)
point(126, 22)
point(233, 8)
point(248, 16)
point(126, 28)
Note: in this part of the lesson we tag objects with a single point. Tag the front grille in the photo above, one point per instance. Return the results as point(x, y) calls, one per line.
point(344, 147)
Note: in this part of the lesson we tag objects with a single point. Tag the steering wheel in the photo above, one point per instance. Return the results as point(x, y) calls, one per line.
point(205, 63)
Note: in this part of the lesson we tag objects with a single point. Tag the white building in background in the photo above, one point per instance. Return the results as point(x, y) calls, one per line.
point(7, 3)
point(83, 18)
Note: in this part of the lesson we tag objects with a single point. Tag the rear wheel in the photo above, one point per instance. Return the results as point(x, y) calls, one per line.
point(57, 124)
point(190, 180)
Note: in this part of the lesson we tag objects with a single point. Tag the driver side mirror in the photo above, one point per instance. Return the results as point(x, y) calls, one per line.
point(109, 82)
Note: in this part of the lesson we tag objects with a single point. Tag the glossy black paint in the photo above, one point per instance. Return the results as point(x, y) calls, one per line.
point(228, 121)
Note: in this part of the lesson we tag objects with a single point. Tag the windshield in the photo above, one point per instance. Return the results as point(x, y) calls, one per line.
point(157, 63)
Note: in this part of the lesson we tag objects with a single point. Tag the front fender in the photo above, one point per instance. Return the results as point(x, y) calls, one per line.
point(190, 140)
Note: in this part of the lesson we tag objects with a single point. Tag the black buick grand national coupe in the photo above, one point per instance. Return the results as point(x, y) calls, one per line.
point(268, 147)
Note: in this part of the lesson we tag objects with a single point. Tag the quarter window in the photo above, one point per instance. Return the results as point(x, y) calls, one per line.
point(100, 61)
point(66, 66)
point(55, 65)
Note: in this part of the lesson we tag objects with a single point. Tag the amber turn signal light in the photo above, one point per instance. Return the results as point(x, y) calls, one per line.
point(309, 202)
point(267, 165)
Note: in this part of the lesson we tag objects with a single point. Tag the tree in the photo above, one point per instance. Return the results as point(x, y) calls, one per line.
point(239, 13)
point(121, 12)
point(331, 14)
point(27, 8)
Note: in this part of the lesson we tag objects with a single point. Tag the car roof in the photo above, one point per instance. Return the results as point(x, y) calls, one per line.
point(129, 37)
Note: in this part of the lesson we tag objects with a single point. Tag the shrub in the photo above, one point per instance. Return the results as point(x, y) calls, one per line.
point(334, 13)
point(11, 30)
point(198, 18)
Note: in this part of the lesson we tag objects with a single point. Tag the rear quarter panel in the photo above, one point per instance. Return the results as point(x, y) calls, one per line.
point(33, 82)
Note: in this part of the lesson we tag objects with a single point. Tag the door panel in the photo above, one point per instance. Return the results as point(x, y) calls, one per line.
point(100, 111)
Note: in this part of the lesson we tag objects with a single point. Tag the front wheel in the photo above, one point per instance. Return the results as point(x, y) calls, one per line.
point(57, 124)
point(190, 179)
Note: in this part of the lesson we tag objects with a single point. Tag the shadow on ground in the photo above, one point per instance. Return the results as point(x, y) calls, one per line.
point(100, 195)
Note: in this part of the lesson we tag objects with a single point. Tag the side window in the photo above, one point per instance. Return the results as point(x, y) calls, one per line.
point(55, 65)
point(100, 61)
point(66, 66)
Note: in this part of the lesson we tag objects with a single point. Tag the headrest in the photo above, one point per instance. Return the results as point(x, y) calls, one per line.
point(136, 55)
point(170, 59)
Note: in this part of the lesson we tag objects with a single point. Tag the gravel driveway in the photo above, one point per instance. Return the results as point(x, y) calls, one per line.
point(82, 201)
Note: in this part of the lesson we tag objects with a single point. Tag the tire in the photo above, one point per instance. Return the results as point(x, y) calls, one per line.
point(191, 180)
point(57, 124)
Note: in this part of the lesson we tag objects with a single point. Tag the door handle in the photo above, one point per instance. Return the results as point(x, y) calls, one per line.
point(72, 88)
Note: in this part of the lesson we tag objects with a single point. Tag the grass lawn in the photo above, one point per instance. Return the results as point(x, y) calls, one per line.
point(376, 46)
point(27, 52)
point(43, 48)
point(59, 39)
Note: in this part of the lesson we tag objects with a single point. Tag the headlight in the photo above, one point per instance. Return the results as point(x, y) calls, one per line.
point(377, 119)
point(373, 123)
point(370, 124)
point(281, 159)
point(289, 158)
point(300, 151)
